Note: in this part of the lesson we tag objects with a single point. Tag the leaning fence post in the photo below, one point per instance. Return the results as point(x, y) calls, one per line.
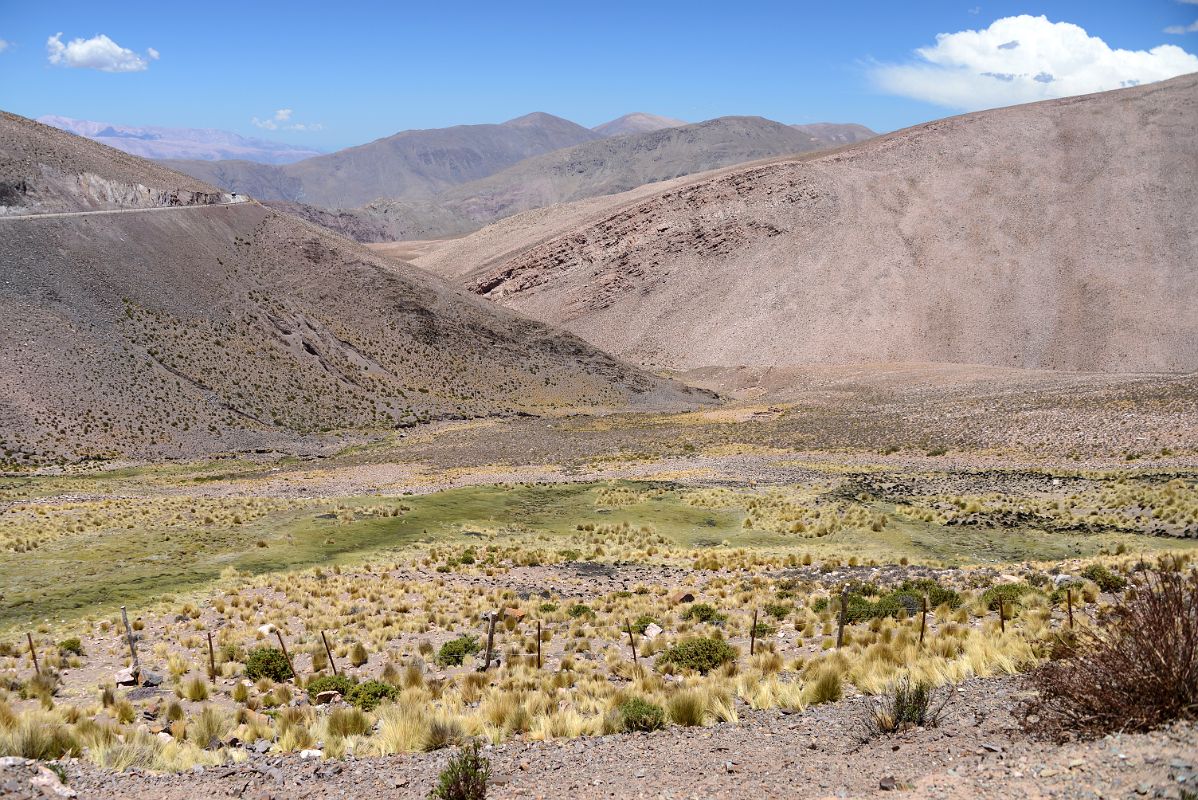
point(923, 618)
point(636, 667)
point(329, 650)
point(753, 635)
point(286, 655)
point(1002, 615)
point(33, 653)
point(844, 607)
point(1069, 605)
point(211, 658)
point(538, 644)
point(132, 646)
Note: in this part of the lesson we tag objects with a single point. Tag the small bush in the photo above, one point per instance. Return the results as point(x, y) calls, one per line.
point(778, 610)
point(71, 647)
point(369, 694)
point(267, 662)
point(700, 654)
point(1138, 671)
point(1009, 593)
point(705, 612)
point(454, 652)
point(330, 683)
point(908, 705)
point(580, 610)
point(643, 622)
point(641, 715)
point(1107, 581)
point(465, 777)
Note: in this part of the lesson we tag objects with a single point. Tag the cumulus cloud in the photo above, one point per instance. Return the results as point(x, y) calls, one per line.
point(98, 52)
point(1179, 29)
point(1022, 59)
point(281, 121)
point(3, 45)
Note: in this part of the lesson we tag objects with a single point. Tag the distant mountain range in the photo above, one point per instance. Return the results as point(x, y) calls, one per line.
point(591, 169)
point(193, 143)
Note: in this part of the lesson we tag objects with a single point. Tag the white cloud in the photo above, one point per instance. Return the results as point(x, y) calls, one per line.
point(3, 45)
point(152, 53)
point(1179, 29)
point(281, 121)
point(1022, 59)
point(98, 52)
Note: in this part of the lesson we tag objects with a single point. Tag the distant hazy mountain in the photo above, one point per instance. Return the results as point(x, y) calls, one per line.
point(636, 122)
point(601, 167)
point(833, 134)
point(408, 165)
point(206, 144)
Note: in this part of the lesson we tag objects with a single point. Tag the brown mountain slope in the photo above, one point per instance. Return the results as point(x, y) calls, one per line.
point(833, 134)
point(45, 170)
point(181, 331)
point(408, 165)
point(1055, 235)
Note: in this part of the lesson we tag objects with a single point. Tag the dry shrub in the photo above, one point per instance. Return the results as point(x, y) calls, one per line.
point(1136, 671)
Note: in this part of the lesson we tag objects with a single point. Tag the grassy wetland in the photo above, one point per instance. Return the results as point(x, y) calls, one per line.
point(725, 566)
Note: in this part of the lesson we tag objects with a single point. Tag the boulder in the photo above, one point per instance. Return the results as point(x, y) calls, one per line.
point(682, 596)
point(327, 697)
point(653, 630)
point(125, 677)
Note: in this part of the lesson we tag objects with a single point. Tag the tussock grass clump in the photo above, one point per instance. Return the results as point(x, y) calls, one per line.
point(828, 686)
point(687, 707)
point(1135, 672)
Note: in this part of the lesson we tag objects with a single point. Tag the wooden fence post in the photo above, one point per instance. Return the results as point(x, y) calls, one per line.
point(490, 641)
point(132, 646)
point(636, 666)
point(286, 655)
point(211, 658)
point(923, 619)
point(753, 635)
point(33, 653)
point(1069, 606)
point(329, 650)
point(844, 609)
point(538, 644)
point(1002, 615)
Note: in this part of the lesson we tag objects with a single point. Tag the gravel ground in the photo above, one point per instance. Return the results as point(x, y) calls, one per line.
point(978, 750)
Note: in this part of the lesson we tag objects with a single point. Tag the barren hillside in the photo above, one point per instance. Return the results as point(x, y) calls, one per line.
point(181, 331)
point(1057, 235)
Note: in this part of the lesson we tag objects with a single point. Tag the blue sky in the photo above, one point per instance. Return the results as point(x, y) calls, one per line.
point(350, 72)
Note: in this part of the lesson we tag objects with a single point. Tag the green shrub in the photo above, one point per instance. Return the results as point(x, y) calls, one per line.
point(641, 715)
point(267, 662)
point(778, 610)
point(1107, 581)
point(367, 695)
point(465, 777)
point(454, 652)
point(908, 705)
point(547, 608)
point(580, 610)
point(937, 595)
point(700, 654)
point(705, 612)
point(642, 622)
point(72, 646)
point(330, 683)
point(761, 630)
point(1009, 593)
